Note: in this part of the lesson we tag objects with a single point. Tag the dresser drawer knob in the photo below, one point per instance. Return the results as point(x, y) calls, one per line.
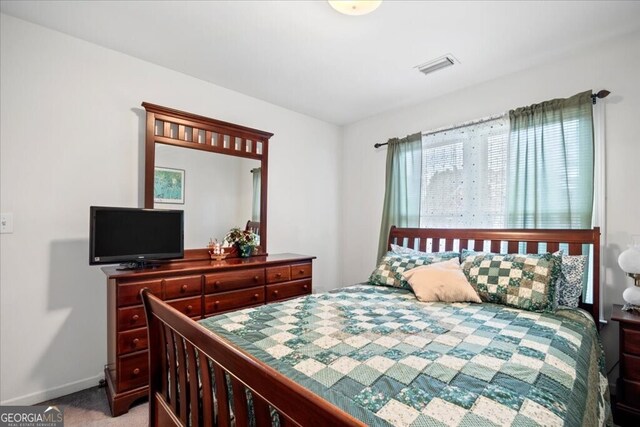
point(136, 341)
point(217, 283)
point(255, 296)
point(305, 287)
point(256, 278)
point(134, 318)
point(300, 271)
point(275, 293)
point(183, 288)
point(189, 308)
point(278, 275)
point(136, 371)
point(216, 303)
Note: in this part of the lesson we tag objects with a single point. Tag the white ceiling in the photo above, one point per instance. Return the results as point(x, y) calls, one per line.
point(304, 56)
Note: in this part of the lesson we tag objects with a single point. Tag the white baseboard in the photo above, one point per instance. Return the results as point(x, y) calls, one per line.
point(52, 393)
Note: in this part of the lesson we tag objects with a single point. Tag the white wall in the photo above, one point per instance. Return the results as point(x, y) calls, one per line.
point(614, 65)
point(71, 136)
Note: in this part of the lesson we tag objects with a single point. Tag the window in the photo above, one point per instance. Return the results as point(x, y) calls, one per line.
point(464, 176)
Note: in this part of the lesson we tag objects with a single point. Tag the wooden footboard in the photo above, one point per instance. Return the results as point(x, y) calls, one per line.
point(199, 379)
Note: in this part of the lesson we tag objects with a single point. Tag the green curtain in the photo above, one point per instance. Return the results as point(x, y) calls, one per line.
point(551, 163)
point(403, 186)
point(255, 209)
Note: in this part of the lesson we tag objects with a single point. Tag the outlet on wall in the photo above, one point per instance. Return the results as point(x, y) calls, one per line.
point(6, 223)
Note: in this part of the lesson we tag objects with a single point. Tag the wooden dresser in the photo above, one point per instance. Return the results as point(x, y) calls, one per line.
point(198, 289)
point(628, 386)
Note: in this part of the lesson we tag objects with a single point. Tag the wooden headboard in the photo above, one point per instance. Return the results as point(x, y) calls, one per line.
point(508, 241)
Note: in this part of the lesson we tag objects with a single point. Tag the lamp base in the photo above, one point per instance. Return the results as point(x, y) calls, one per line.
point(631, 308)
point(632, 295)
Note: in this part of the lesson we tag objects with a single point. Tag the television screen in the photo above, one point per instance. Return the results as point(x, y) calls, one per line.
point(134, 235)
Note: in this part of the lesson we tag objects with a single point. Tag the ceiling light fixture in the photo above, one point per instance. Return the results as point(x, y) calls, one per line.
point(436, 64)
point(355, 7)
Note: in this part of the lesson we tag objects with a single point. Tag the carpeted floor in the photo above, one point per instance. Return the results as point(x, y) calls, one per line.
point(90, 408)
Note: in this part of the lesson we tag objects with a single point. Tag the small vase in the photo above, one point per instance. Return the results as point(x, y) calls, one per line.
point(245, 251)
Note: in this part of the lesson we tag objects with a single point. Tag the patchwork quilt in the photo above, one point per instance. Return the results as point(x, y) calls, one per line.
point(389, 360)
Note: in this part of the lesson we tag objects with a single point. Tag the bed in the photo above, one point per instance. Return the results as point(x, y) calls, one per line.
point(374, 355)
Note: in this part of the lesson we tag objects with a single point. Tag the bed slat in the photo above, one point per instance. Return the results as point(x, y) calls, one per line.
point(448, 245)
point(553, 247)
point(192, 401)
point(164, 389)
point(478, 245)
point(208, 412)
point(182, 377)
point(464, 244)
point(422, 246)
point(495, 246)
point(240, 407)
point(261, 411)
point(173, 371)
point(222, 396)
point(575, 249)
point(512, 247)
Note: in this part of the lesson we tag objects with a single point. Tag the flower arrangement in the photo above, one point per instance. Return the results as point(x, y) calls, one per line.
point(244, 240)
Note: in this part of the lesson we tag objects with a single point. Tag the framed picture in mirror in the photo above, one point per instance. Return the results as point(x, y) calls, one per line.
point(168, 185)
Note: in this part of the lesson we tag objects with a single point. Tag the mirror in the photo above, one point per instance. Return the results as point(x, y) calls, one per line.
point(213, 170)
point(220, 192)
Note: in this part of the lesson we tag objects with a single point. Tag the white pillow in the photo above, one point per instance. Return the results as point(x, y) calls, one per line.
point(443, 281)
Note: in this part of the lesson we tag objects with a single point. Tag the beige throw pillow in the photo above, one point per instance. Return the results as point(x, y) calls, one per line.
point(442, 281)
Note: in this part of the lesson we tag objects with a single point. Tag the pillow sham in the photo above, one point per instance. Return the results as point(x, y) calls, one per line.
point(570, 279)
point(442, 281)
point(525, 281)
point(396, 249)
point(389, 270)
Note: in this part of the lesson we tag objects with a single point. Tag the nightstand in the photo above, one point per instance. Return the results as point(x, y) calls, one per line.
point(628, 385)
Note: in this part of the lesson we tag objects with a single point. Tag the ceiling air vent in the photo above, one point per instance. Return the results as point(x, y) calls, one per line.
point(436, 64)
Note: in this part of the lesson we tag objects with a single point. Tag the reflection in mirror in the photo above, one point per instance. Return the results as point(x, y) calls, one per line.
point(220, 192)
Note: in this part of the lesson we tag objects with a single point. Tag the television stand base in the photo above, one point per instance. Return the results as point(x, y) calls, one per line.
point(137, 265)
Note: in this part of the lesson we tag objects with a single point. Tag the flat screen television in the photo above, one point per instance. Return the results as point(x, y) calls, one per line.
point(134, 236)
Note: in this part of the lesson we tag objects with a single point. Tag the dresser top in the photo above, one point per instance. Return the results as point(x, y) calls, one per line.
point(194, 267)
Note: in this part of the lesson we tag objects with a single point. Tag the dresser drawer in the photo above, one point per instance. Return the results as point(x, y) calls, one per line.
point(278, 274)
point(631, 367)
point(133, 340)
point(301, 271)
point(288, 290)
point(180, 287)
point(225, 301)
point(631, 339)
point(191, 307)
point(131, 317)
point(630, 393)
point(129, 293)
point(222, 282)
point(133, 370)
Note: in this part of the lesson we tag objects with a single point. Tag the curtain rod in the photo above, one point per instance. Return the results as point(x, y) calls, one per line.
point(601, 94)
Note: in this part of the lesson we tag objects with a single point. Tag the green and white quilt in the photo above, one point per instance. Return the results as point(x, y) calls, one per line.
point(388, 359)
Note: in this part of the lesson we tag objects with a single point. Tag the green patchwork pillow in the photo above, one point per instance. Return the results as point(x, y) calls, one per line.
point(516, 280)
point(392, 265)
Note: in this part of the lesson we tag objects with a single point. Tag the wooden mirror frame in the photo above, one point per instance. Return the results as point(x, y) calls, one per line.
point(187, 130)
